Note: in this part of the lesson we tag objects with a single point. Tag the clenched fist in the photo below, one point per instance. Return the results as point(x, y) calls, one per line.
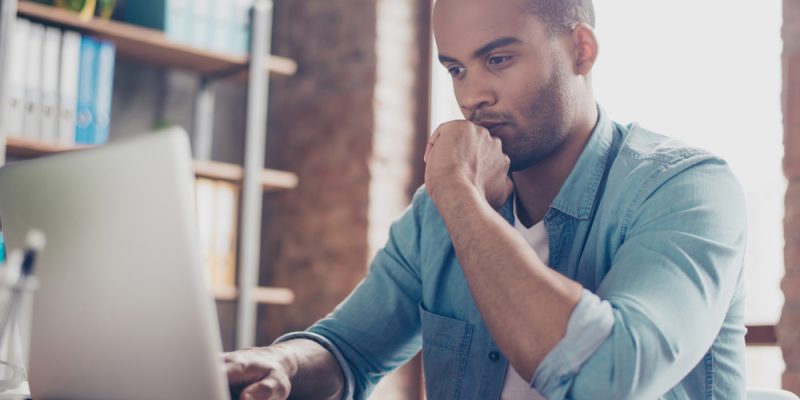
point(461, 152)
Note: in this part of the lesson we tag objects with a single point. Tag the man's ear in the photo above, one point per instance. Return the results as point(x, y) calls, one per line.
point(585, 48)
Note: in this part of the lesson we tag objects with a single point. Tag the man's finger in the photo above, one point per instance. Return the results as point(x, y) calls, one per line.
point(431, 141)
point(242, 371)
point(269, 388)
point(427, 150)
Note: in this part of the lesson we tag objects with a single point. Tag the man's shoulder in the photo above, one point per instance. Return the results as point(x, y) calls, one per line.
point(645, 160)
point(644, 154)
point(646, 146)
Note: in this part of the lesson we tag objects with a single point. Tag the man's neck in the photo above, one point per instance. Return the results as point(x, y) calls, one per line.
point(537, 185)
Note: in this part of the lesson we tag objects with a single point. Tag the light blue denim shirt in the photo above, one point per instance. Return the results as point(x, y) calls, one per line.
point(652, 229)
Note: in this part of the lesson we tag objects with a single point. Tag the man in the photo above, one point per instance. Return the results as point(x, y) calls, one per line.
point(551, 253)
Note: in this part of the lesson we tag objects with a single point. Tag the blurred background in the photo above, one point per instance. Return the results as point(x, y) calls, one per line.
point(353, 93)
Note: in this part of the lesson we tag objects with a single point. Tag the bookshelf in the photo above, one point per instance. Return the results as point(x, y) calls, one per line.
point(150, 46)
point(154, 48)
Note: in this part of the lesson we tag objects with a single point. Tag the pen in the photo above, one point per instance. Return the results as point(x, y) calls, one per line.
point(16, 274)
point(34, 244)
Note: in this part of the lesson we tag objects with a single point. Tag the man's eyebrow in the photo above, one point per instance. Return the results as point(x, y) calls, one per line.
point(447, 59)
point(499, 42)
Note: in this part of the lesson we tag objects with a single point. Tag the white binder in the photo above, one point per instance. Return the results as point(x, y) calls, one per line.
point(68, 86)
point(13, 112)
point(50, 65)
point(32, 125)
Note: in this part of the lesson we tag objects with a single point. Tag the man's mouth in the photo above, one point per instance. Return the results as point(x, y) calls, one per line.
point(493, 127)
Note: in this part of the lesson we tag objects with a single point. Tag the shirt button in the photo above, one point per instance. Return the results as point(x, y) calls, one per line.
point(494, 356)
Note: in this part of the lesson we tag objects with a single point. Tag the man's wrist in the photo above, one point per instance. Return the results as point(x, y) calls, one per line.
point(449, 190)
point(458, 201)
point(312, 370)
point(289, 360)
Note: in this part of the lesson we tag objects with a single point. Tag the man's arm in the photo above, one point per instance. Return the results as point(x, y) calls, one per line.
point(300, 367)
point(668, 290)
point(526, 305)
point(377, 327)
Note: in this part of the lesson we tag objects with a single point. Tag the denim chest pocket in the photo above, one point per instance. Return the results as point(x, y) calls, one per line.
point(445, 348)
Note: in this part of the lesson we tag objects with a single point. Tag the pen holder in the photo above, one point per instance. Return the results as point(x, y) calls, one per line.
point(16, 303)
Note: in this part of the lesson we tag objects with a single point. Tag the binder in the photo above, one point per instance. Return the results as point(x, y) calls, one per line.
point(201, 24)
point(68, 86)
point(105, 88)
point(241, 27)
point(50, 63)
point(87, 92)
point(222, 23)
point(13, 111)
point(179, 21)
point(32, 124)
point(173, 17)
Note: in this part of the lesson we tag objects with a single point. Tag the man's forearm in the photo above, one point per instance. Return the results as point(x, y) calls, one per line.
point(314, 371)
point(526, 305)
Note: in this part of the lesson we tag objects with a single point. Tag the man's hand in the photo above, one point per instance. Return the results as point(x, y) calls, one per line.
point(299, 366)
point(260, 373)
point(460, 152)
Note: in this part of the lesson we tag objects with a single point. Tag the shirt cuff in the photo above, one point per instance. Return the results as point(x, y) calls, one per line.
point(328, 345)
point(589, 325)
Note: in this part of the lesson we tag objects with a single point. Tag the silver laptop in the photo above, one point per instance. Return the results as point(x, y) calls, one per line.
point(123, 310)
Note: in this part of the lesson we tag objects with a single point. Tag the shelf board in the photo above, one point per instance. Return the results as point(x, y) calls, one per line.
point(262, 295)
point(271, 179)
point(149, 45)
point(26, 148)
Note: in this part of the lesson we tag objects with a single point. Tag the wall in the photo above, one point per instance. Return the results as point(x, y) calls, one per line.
point(788, 331)
point(348, 124)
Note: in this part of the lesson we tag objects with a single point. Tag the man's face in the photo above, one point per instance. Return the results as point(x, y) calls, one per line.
point(509, 75)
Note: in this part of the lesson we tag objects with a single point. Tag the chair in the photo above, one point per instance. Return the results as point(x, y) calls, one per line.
point(769, 394)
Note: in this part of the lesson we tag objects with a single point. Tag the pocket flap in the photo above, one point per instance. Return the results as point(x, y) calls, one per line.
point(450, 333)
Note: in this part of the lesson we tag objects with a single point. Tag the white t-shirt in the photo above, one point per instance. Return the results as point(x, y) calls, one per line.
point(516, 388)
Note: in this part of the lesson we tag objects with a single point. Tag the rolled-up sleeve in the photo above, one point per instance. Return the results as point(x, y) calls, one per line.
point(667, 292)
point(588, 327)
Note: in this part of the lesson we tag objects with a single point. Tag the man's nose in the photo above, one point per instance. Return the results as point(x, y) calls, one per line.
point(474, 96)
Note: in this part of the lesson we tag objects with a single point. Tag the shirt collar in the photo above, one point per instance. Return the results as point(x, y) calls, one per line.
point(577, 195)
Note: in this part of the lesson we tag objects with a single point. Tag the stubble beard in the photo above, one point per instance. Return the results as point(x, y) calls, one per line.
point(545, 117)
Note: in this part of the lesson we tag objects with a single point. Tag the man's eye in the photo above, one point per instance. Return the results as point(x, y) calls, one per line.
point(497, 60)
point(454, 71)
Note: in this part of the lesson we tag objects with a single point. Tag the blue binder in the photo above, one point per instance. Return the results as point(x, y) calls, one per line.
point(87, 92)
point(104, 92)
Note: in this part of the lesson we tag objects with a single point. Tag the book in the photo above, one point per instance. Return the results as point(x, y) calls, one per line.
point(50, 63)
point(32, 123)
point(104, 91)
point(13, 107)
point(227, 201)
point(68, 86)
point(87, 91)
point(205, 190)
